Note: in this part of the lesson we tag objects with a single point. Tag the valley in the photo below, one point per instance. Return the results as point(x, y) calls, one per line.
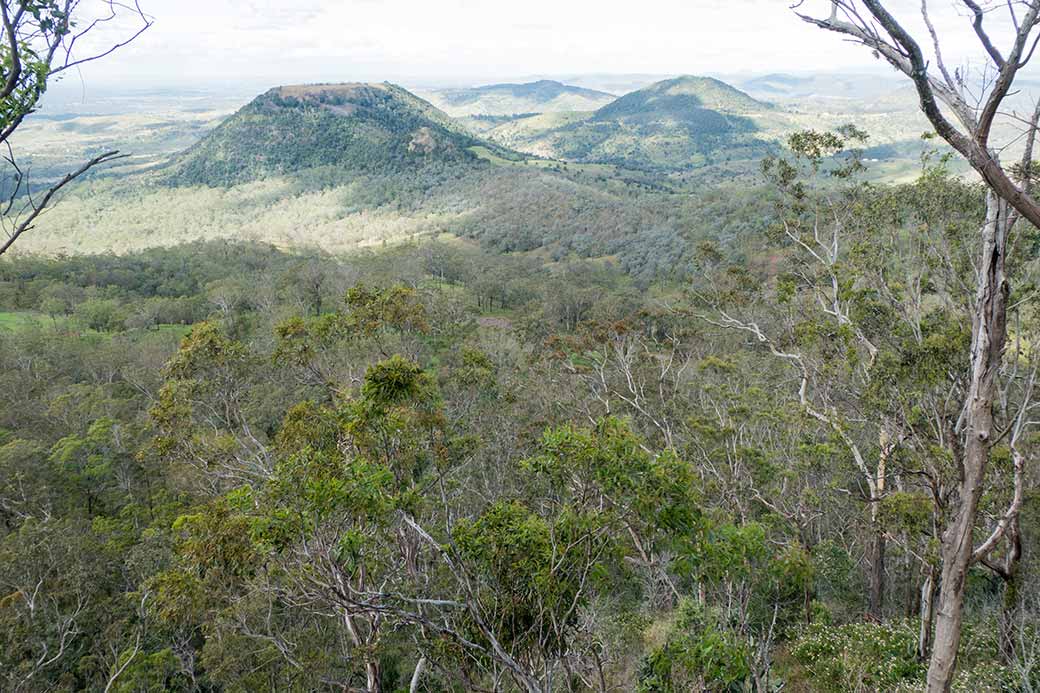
point(518, 166)
point(574, 347)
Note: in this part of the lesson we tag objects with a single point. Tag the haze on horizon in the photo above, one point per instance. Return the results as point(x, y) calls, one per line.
point(206, 43)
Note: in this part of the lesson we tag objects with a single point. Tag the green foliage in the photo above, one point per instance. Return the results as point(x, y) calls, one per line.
point(44, 20)
point(376, 128)
point(102, 315)
point(653, 495)
point(152, 672)
point(476, 369)
point(348, 465)
point(857, 655)
point(394, 381)
point(531, 586)
point(838, 582)
point(700, 654)
point(398, 308)
point(215, 551)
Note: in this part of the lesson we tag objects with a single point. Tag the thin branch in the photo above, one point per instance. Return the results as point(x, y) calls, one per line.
point(998, 59)
point(38, 209)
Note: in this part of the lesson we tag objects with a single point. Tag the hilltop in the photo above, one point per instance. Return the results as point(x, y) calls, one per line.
point(358, 127)
point(682, 98)
point(674, 125)
point(543, 96)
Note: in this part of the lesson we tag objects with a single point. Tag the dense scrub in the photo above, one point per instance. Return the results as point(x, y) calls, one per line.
point(224, 467)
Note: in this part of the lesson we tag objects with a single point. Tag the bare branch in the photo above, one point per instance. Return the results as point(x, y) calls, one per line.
point(950, 82)
point(998, 59)
point(38, 208)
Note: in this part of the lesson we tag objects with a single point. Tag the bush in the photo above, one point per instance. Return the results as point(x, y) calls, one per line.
point(861, 656)
point(103, 315)
point(701, 653)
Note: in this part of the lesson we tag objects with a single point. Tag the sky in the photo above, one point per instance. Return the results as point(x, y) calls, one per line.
point(456, 42)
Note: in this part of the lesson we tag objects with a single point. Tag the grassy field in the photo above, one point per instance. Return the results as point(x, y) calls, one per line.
point(15, 321)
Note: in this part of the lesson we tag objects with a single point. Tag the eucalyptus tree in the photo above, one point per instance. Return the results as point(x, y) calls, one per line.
point(966, 119)
point(818, 319)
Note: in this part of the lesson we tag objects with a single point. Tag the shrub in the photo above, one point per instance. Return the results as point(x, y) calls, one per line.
point(860, 656)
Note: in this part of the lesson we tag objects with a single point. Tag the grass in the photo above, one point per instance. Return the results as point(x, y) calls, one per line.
point(15, 321)
point(19, 320)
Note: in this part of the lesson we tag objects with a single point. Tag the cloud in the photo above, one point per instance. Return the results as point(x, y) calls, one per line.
point(268, 41)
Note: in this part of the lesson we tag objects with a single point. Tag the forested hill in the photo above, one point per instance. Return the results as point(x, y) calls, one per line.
point(361, 127)
point(682, 97)
point(347, 166)
point(677, 125)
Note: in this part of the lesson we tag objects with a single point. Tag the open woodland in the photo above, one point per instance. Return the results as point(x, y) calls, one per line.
point(529, 387)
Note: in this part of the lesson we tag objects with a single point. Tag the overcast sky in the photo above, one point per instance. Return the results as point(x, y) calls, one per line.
point(266, 42)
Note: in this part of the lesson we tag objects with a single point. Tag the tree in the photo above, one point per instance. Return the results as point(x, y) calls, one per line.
point(969, 132)
point(822, 335)
point(40, 43)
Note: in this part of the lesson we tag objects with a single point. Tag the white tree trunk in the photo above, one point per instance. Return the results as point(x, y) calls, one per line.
point(989, 336)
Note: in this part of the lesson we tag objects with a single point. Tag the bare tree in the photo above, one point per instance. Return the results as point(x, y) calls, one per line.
point(966, 124)
point(41, 40)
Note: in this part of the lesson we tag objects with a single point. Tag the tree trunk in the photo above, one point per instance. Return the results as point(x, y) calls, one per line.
point(413, 687)
point(927, 615)
point(372, 683)
point(988, 338)
point(876, 607)
point(1010, 608)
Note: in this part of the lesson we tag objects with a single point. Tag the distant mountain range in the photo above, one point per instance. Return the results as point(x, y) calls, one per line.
point(543, 96)
point(865, 87)
point(348, 165)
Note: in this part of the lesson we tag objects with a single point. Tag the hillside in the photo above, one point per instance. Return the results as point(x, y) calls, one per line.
point(348, 166)
point(355, 127)
point(676, 125)
point(544, 96)
point(682, 98)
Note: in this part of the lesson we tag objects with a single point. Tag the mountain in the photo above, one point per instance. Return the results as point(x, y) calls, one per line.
point(544, 96)
point(351, 166)
point(851, 86)
point(353, 127)
point(683, 97)
point(671, 126)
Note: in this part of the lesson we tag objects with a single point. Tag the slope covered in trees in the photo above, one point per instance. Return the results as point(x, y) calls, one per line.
point(229, 467)
point(675, 125)
point(748, 439)
point(361, 128)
